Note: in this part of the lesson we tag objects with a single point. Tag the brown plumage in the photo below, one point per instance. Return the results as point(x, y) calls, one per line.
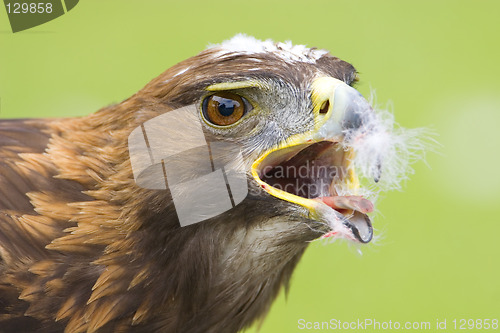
point(84, 249)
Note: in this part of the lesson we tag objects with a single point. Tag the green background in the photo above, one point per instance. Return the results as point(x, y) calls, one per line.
point(435, 63)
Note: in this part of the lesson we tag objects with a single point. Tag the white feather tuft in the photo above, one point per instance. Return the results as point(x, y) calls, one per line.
point(384, 151)
point(244, 44)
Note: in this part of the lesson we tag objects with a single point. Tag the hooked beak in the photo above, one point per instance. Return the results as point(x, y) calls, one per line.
point(315, 169)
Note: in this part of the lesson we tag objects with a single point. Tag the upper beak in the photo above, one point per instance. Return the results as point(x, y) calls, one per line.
point(349, 109)
point(338, 110)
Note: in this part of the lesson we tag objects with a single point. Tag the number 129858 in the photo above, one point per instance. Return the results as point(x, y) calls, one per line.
point(31, 8)
point(475, 324)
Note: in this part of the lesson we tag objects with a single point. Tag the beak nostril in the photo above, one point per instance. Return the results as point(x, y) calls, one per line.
point(325, 107)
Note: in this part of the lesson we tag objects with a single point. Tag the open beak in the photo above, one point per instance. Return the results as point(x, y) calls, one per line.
point(315, 169)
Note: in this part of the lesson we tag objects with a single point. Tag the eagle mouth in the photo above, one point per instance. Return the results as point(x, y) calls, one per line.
point(319, 176)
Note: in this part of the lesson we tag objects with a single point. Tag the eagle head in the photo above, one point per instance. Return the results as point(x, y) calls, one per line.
point(186, 207)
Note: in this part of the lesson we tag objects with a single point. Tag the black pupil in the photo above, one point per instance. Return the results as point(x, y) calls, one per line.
point(226, 106)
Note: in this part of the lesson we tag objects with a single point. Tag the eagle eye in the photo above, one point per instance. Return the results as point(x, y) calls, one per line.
point(224, 108)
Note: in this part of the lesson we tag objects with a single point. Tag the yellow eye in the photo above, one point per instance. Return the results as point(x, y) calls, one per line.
point(224, 108)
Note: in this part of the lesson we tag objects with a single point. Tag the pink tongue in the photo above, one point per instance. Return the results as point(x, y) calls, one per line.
point(350, 202)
